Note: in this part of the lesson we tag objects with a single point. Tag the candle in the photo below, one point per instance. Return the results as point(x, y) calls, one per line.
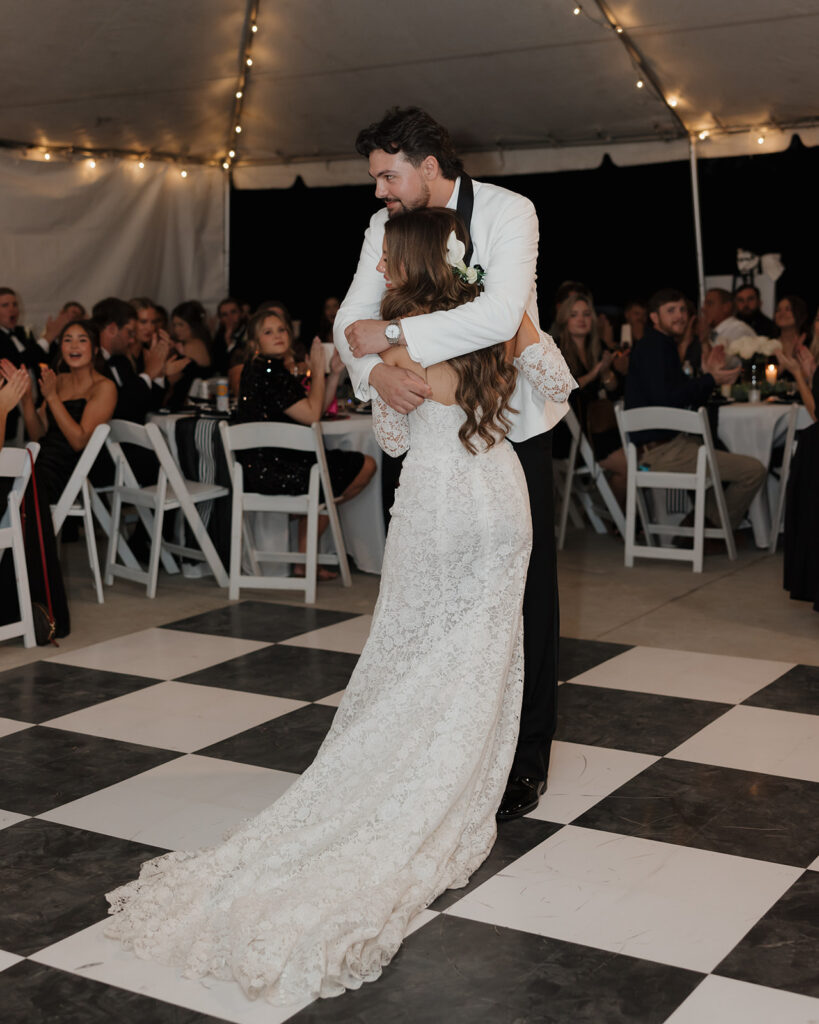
point(770, 373)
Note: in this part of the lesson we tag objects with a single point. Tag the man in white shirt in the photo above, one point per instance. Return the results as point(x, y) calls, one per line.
point(718, 316)
point(414, 164)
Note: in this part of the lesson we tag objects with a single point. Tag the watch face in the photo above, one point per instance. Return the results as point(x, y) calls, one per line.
point(392, 331)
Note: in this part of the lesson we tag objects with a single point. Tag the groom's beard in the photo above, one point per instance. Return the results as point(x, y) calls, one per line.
point(399, 206)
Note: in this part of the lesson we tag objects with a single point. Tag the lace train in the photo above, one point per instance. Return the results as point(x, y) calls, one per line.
point(315, 894)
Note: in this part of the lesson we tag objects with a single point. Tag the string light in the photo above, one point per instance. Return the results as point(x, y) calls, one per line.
point(46, 155)
point(761, 140)
point(238, 94)
point(577, 10)
point(245, 63)
point(673, 101)
point(232, 154)
point(238, 129)
point(703, 135)
point(254, 29)
point(639, 83)
point(618, 29)
point(92, 164)
point(141, 164)
point(225, 165)
point(249, 62)
point(183, 174)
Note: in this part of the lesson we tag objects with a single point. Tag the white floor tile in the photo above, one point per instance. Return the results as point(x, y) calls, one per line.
point(176, 716)
point(814, 866)
point(332, 700)
point(10, 818)
point(159, 653)
point(725, 1001)
point(656, 901)
point(580, 776)
point(7, 959)
point(183, 805)
point(758, 740)
point(348, 636)
point(10, 725)
point(684, 674)
point(91, 955)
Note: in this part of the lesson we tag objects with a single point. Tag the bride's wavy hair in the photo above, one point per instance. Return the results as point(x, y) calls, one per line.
point(423, 282)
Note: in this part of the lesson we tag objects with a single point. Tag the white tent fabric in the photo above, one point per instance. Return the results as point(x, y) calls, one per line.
point(73, 232)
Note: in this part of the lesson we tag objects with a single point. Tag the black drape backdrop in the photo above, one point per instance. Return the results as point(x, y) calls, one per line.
point(624, 231)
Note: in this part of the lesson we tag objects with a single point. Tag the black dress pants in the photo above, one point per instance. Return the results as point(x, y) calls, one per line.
point(541, 620)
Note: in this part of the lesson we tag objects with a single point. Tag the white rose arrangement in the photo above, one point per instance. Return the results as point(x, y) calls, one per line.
point(455, 252)
point(750, 345)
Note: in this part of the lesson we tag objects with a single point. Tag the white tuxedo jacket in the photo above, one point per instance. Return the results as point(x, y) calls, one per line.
point(505, 241)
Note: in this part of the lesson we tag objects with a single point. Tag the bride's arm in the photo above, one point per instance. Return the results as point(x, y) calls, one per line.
point(539, 359)
point(391, 427)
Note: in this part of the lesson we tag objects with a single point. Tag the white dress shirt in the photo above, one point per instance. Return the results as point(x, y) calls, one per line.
point(504, 234)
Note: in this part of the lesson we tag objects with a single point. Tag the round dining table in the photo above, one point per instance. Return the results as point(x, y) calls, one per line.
point(756, 428)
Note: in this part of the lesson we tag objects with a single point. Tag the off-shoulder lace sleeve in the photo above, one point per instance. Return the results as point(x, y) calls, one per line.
point(545, 368)
point(391, 428)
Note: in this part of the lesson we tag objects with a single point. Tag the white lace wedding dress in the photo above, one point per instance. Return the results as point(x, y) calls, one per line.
point(315, 894)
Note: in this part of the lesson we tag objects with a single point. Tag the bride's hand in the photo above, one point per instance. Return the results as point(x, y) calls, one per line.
point(401, 389)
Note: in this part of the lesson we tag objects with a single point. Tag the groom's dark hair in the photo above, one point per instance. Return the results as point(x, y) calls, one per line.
point(411, 131)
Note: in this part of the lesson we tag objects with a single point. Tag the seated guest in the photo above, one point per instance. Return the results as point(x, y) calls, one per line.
point(598, 384)
point(75, 401)
point(230, 338)
point(655, 377)
point(71, 310)
point(193, 345)
point(747, 307)
point(689, 345)
point(137, 393)
point(717, 321)
point(802, 368)
point(791, 319)
point(635, 315)
point(269, 391)
point(17, 345)
point(148, 328)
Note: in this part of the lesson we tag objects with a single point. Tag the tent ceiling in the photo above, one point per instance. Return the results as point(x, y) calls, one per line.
point(159, 76)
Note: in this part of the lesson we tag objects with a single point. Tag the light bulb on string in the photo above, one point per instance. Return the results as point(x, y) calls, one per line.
point(238, 94)
point(249, 62)
point(183, 174)
point(141, 164)
point(673, 102)
point(232, 154)
point(703, 135)
point(577, 10)
point(46, 155)
point(619, 30)
point(92, 164)
point(761, 140)
point(639, 83)
point(238, 129)
point(225, 165)
point(254, 29)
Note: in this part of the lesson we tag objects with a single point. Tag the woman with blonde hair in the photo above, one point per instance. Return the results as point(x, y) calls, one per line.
point(599, 385)
point(315, 894)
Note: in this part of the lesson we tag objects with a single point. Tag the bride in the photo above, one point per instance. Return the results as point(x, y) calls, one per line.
point(315, 894)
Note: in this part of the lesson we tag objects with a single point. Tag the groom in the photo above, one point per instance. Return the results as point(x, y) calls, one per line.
point(413, 162)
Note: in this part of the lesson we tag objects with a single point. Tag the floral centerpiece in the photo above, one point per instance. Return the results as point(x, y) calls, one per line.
point(752, 351)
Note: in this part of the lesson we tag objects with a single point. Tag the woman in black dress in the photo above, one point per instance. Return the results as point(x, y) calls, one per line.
point(269, 390)
point(75, 401)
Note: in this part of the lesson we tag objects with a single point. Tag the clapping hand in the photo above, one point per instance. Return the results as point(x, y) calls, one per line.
point(807, 362)
point(336, 363)
point(315, 358)
point(48, 383)
point(175, 365)
point(16, 385)
point(156, 355)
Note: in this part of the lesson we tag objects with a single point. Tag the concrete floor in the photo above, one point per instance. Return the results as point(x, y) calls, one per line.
point(737, 608)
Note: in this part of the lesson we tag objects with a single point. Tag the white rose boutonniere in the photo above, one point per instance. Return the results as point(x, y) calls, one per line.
point(455, 252)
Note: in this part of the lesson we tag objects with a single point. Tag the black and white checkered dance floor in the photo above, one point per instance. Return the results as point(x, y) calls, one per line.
point(670, 874)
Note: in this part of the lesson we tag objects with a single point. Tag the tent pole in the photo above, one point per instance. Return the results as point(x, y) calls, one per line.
point(226, 234)
point(695, 196)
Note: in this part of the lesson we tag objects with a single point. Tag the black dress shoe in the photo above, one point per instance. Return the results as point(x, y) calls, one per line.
point(521, 797)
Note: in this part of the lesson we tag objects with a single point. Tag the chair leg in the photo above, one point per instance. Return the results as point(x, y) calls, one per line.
point(202, 536)
point(699, 521)
point(311, 561)
point(113, 538)
point(91, 542)
point(156, 548)
point(631, 507)
point(338, 540)
point(237, 532)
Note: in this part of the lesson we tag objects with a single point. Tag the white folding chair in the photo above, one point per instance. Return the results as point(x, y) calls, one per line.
point(16, 463)
point(75, 501)
point(297, 438)
point(171, 491)
point(677, 421)
point(784, 473)
point(581, 481)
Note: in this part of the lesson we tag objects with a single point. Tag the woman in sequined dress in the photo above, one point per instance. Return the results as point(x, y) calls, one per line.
point(270, 392)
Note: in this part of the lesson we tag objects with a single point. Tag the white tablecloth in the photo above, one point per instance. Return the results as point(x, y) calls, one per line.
point(755, 429)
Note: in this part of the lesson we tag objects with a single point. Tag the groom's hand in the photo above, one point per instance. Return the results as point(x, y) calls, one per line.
point(366, 337)
point(401, 389)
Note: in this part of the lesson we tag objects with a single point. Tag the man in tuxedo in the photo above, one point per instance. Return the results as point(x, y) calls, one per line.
point(414, 164)
point(231, 335)
point(17, 345)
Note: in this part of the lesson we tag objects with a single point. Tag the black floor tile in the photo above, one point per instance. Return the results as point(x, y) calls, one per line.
point(515, 838)
point(42, 768)
point(765, 817)
point(578, 656)
point(42, 690)
point(288, 743)
point(797, 690)
point(646, 723)
point(54, 881)
point(300, 673)
point(32, 993)
point(260, 620)
point(782, 949)
point(463, 972)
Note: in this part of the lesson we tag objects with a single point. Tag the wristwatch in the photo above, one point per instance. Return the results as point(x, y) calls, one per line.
point(392, 332)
